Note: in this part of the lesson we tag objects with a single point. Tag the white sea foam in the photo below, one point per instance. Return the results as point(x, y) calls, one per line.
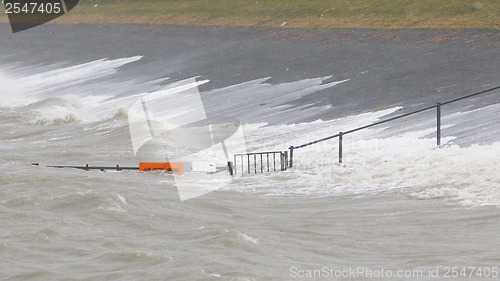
point(122, 199)
point(409, 161)
point(248, 238)
point(86, 93)
point(375, 160)
point(35, 84)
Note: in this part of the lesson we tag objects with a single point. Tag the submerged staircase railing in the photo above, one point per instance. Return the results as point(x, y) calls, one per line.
point(285, 158)
point(260, 162)
point(438, 106)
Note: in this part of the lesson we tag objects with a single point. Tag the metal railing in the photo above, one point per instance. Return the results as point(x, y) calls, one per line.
point(266, 161)
point(260, 162)
point(438, 124)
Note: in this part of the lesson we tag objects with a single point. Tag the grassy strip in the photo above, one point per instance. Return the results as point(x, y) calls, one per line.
point(386, 14)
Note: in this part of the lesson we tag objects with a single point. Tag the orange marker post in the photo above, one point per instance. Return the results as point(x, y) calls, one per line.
point(162, 166)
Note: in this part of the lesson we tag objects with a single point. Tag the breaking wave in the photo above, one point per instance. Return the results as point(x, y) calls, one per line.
point(379, 159)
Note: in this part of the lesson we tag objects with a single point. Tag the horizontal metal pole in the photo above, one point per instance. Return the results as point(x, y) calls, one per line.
point(316, 141)
point(257, 153)
point(390, 119)
point(368, 126)
point(395, 118)
point(97, 167)
point(471, 95)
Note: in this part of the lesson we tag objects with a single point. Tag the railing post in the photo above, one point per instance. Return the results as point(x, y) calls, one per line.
point(291, 157)
point(255, 163)
point(261, 166)
point(274, 161)
point(438, 132)
point(285, 163)
point(340, 147)
point(281, 161)
point(267, 162)
point(235, 164)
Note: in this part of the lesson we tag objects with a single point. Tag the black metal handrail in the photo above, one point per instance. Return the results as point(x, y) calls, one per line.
point(266, 165)
point(438, 132)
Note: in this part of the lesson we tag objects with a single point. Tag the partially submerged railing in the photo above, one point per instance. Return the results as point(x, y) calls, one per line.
point(254, 162)
point(438, 124)
point(260, 162)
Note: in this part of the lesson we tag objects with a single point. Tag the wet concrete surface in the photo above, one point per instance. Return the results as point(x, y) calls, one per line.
point(409, 68)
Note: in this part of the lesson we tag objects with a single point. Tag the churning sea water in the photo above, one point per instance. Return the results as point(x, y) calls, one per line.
point(397, 208)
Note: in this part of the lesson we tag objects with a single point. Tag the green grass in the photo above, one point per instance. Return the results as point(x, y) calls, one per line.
point(387, 14)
